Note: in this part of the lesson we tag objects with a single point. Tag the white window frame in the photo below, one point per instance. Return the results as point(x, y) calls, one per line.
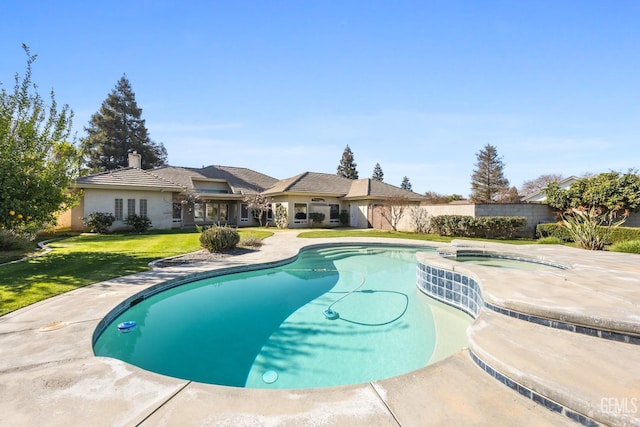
point(244, 208)
point(118, 210)
point(143, 207)
point(306, 213)
point(131, 207)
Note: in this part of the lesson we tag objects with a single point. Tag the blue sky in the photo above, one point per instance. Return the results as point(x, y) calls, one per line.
point(418, 86)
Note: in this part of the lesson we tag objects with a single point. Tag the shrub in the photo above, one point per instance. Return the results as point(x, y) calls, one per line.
point(622, 234)
point(219, 238)
point(553, 229)
point(12, 242)
point(316, 218)
point(250, 242)
point(468, 226)
point(630, 246)
point(551, 240)
point(281, 219)
point(140, 223)
point(99, 222)
point(344, 217)
point(590, 228)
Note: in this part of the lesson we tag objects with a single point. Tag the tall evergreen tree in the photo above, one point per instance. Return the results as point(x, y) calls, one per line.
point(347, 166)
point(117, 129)
point(378, 175)
point(488, 182)
point(406, 184)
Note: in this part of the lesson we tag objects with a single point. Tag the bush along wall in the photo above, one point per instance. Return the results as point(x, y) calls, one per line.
point(618, 234)
point(553, 229)
point(493, 227)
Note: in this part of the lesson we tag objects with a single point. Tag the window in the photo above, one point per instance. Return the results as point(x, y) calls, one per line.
point(143, 207)
point(118, 210)
point(131, 207)
point(217, 211)
point(224, 212)
point(212, 211)
point(299, 213)
point(198, 211)
point(177, 212)
point(244, 212)
point(334, 211)
point(334, 214)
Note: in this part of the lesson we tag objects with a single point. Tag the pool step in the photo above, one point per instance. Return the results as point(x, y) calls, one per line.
point(584, 377)
point(343, 252)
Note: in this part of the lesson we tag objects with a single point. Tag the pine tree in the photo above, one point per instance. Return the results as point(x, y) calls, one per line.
point(488, 182)
point(378, 175)
point(347, 166)
point(406, 185)
point(116, 130)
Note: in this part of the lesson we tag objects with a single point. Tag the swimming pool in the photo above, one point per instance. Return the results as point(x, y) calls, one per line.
point(266, 328)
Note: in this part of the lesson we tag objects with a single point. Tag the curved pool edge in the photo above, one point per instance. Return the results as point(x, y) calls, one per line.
point(57, 370)
point(205, 272)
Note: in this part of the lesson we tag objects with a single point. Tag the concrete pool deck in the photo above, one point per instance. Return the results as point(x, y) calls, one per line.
point(50, 377)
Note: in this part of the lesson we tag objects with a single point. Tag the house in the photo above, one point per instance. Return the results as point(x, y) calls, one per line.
point(540, 196)
point(334, 196)
point(173, 197)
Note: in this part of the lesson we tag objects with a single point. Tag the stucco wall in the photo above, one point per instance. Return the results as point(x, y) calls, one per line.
point(159, 206)
point(408, 223)
point(534, 213)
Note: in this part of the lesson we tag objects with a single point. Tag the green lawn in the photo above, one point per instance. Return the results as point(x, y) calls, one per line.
point(81, 260)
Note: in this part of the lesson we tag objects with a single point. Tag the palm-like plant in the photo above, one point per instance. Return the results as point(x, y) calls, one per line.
point(591, 227)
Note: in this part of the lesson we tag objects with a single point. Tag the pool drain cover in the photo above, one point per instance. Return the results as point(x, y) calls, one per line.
point(270, 377)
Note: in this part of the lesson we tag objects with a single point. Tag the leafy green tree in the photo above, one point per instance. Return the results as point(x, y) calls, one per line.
point(378, 175)
point(116, 130)
point(406, 184)
point(347, 166)
point(37, 162)
point(488, 182)
point(611, 191)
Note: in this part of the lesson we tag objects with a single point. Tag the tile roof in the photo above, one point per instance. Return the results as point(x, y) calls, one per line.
point(126, 177)
point(324, 183)
point(313, 182)
point(240, 180)
point(371, 188)
point(245, 181)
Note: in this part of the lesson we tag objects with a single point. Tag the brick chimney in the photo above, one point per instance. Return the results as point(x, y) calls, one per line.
point(135, 160)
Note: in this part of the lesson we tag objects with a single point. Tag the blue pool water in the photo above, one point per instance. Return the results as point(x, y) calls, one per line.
point(266, 328)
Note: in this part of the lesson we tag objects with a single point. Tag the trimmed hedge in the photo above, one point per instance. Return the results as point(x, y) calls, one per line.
point(624, 234)
point(618, 234)
point(553, 229)
point(491, 227)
